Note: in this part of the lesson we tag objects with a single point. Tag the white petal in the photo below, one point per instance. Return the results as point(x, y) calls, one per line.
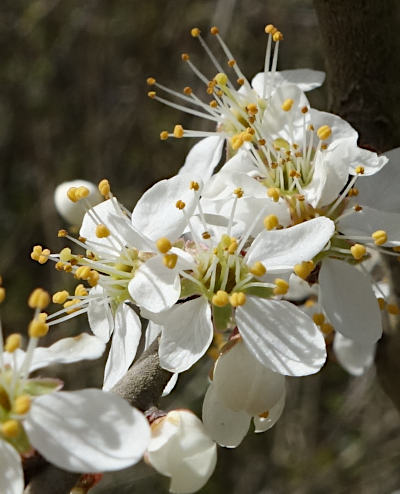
point(349, 301)
point(154, 286)
point(304, 79)
point(340, 128)
point(354, 356)
point(186, 336)
point(153, 331)
point(100, 317)
point(369, 160)
point(124, 344)
point(243, 383)
point(73, 212)
point(262, 424)
point(225, 426)
point(381, 190)
point(282, 249)
point(11, 476)
point(155, 214)
point(170, 384)
point(203, 158)
point(87, 431)
point(299, 289)
point(68, 350)
point(281, 336)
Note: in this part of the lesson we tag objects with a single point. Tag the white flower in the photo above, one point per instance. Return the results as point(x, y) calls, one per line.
point(241, 389)
point(181, 449)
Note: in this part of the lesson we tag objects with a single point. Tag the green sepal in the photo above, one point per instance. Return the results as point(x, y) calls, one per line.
point(221, 316)
point(41, 386)
point(259, 291)
point(21, 442)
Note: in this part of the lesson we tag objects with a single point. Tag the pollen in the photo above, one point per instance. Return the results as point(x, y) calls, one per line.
point(65, 254)
point(80, 291)
point(71, 194)
point(150, 81)
point(381, 302)
point(178, 131)
point(214, 30)
point(393, 309)
point(220, 299)
point(304, 269)
point(358, 251)
point(304, 109)
point(82, 273)
point(62, 233)
point(2, 294)
point(38, 299)
point(185, 57)
point(187, 90)
point(237, 298)
point(238, 192)
point(93, 278)
point(39, 254)
point(37, 328)
point(104, 188)
point(270, 222)
point(195, 32)
point(164, 135)
point(318, 318)
point(324, 132)
point(22, 404)
point(206, 235)
point(278, 36)
point(282, 286)
point(194, 185)
point(380, 237)
point(163, 245)
point(221, 79)
point(264, 415)
point(180, 204)
point(258, 269)
point(170, 260)
point(327, 328)
point(270, 29)
point(70, 305)
point(231, 62)
point(233, 246)
point(10, 428)
point(360, 170)
point(151, 94)
point(252, 108)
point(60, 297)
point(240, 81)
point(102, 231)
point(273, 193)
point(13, 342)
point(287, 104)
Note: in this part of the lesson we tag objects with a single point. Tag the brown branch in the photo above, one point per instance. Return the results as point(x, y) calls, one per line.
point(142, 387)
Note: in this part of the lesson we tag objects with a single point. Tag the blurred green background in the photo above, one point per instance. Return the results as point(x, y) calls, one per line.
point(73, 104)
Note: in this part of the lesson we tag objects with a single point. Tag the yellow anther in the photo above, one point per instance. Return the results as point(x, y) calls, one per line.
point(195, 32)
point(194, 185)
point(278, 36)
point(309, 303)
point(71, 194)
point(37, 328)
point(270, 28)
point(258, 269)
point(70, 305)
point(381, 302)
point(10, 428)
point(233, 246)
point(247, 136)
point(2, 294)
point(185, 57)
point(13, 342)
point(240, 81)
point(60, 297)
point(81, 192)
point(59, 266)
point(273, 193)
point(22, 404)
point(80, 290)
point(93, 277)
point(38, 299)
point(231, 62)
point(104, 188)
point(252, 108)
point(282, 286)
point(393, 309)
point(163, 245)
point(311, 127)
point(357, 208)
point(213, 104)
point(151, 94)
point(102, 231)
point(304, 109)
point(220, 299)
point(62, 233)
point(164, 135)
point(187, 90)
point(65, 254)
point(324, 132)
point(380, 237)
point(294, 173)
point(180, 204)
point(150, 81)
point(354, 191)
point(360, 170)
point(396, 249)
point(262, 142)
point(221, 79)
point(238, 192)
point(178, 131)
point(270, 222)
point(264, 415)
point(237, 298)
point(326, 328)
point(170, 260)
point(304, 269)
point(39, 254)
point(67, 267)
point(358, 251)
point(214, 30)
point(318, 318)
point(82, 273)
point(287, 104)
point(324, 146)
point(206, 235)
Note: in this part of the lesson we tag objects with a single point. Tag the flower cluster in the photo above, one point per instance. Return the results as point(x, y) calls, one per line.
point(213, 259)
